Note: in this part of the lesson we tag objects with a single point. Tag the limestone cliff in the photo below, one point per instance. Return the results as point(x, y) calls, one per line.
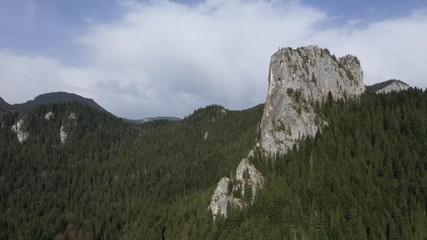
point(297, 79)
point(20, 130)
point(238, 191)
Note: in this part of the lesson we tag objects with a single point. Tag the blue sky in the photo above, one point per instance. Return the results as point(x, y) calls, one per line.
point(149, 58)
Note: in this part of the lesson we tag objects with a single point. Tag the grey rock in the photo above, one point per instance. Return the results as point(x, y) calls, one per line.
point(48, 116)
point(19, 129)
point(230, 192)
point(69, 125)
point(254, 178)
point(63, 135)
point(297, 79)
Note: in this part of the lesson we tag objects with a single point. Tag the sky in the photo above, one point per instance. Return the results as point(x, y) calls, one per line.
point(150, 58)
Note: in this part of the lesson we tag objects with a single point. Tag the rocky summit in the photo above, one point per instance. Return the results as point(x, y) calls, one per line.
point(297, 79)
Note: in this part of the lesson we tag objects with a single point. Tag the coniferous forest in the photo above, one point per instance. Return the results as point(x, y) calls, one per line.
point(363, 177)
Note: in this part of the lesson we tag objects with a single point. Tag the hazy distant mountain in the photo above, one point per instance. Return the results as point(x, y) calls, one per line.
point(57, 97)
point(151, 119)
point(5, 107)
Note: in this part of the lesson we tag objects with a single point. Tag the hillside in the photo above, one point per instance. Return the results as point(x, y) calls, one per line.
point(56, 97)
point(363, 177)
point(5, 107)
point(111, 178)
point(388, 86)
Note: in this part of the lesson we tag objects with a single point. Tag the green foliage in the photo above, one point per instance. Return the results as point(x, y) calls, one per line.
point(364, 177)
point(114, 179)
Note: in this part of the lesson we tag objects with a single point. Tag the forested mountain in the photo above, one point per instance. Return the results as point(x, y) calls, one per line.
point(114, 179)
point(56, 97)
point(364, 177)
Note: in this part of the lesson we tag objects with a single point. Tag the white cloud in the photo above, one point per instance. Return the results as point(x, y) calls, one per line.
point(216, 51)
point(24, 75)
point(392, 48)
point(166, 58)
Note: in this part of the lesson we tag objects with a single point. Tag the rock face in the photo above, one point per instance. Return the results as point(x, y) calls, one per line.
point(19, 129)
point(221, 198)
point(48, 116)
point(63, 135)
point(71, 123)
point(231, 192)
point(248, 175)
point(297, 79)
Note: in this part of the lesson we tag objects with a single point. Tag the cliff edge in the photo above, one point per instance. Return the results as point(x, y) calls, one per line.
point(297, 79)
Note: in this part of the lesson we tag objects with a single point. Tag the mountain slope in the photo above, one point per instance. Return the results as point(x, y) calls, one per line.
point(5, 107)
point(114, 179)
point(57, 97)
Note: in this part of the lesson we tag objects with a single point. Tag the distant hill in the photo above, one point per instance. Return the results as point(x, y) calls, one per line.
point(5, 107)
point(151, 119)
point(57, 97)
point(388, 86)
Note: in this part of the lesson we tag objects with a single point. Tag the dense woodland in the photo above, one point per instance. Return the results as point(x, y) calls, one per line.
point(363, 177)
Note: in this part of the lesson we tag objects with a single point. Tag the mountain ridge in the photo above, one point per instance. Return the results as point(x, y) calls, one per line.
point(57, 97)
point(5, 107)
point(388, 86)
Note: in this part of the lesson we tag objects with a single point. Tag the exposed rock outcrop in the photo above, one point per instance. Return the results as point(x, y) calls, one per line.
point(248, 175)
point(230, 193)
point(64, 131)
point(222, 198)
point(63, 135)
point(48, 116)
point(19, 129)
point(297, 79)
